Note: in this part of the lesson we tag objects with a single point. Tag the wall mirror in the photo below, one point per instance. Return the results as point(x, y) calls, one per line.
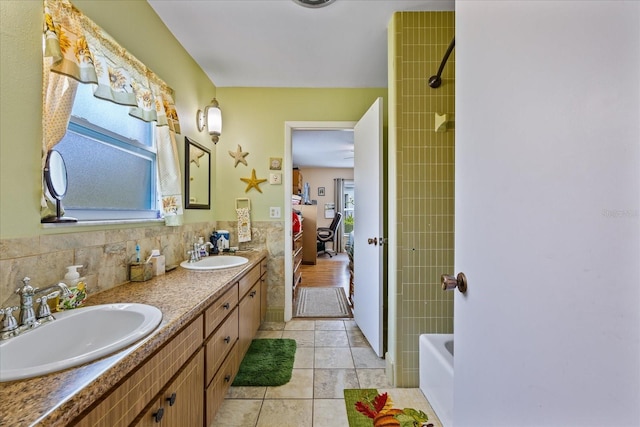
point(197, 175)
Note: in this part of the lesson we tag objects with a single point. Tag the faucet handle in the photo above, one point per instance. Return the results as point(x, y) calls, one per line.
point(44, 311)
point(9, 323)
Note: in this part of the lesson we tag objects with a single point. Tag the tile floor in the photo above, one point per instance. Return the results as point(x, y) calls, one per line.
point(331, 355)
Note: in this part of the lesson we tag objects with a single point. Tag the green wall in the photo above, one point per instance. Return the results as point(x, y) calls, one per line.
point(254, 119)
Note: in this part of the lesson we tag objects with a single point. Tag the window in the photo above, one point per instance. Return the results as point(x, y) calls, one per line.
point(111, 161)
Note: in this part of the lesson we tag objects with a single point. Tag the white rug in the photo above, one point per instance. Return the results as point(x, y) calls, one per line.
point(322, 302)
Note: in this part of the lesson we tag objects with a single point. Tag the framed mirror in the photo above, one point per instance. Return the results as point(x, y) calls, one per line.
point(197, 175)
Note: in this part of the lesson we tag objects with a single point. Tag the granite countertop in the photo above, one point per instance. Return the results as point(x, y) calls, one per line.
point(58, 398)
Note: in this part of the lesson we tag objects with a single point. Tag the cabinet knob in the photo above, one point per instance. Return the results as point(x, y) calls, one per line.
point(226, 306)
point(171, 399)
point(158, 415)
point(227, 378)
point(252, 294)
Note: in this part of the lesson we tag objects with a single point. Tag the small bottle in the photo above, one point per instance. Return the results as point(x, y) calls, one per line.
point(203, 249)
point(157, 262)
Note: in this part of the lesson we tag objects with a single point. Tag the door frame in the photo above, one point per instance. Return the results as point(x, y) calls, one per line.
point(289, 127)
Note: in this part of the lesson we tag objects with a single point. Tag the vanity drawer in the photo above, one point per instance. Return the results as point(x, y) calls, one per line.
point(221, 344)
point(221, 382)
point(220, 309)
point(263, 267)
point(248, 280)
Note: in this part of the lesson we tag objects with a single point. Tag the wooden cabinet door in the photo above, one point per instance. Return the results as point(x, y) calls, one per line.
point(181, 404)
point(249, 322)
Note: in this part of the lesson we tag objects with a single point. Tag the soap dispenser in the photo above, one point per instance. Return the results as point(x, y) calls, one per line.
point(72, 277)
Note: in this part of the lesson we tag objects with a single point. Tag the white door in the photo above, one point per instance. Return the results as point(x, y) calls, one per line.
point(367, 228)
point(547, 214)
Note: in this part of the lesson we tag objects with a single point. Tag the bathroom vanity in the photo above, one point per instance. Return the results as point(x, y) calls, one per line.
point(178, 375)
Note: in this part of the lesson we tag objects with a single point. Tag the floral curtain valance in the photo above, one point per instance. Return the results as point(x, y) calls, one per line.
point(78, 48)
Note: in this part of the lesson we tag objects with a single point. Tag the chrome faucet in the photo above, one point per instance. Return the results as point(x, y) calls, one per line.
point(28, 319)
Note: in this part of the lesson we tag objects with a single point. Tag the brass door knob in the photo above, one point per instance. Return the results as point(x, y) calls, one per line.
point(449, 282)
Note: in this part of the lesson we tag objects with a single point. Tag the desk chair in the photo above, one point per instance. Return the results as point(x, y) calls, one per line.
point(328, 234)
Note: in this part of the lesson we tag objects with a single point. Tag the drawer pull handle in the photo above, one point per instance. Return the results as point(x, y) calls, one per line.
point(171, 399)
point(158, 415)
point(252, 294)
point(227, 378)
point(226, 306)
point(227, 339)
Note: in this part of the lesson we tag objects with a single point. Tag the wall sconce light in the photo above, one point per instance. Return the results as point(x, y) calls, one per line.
point(211, 118)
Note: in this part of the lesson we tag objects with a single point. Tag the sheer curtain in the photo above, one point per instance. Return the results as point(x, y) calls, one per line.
point(77, 50)
point(338, 184)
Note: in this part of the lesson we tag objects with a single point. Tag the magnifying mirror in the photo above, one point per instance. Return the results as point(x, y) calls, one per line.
point(55, 175)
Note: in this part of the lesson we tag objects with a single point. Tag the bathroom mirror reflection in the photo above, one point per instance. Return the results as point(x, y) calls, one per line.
point(55, 176)
point(197, 175)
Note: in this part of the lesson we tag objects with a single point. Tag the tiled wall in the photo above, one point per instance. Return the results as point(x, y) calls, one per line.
point(425, 183)
point(106, 254)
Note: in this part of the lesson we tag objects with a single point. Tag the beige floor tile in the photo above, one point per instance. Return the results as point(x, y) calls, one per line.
point(350, 324)
point(304, 358)
point(333, 357)
point(300, 325)
point(237, 413)
point(246, 392)
point(329, 413)
point(365, 357)
point(303, 338)
point(272, 326)
point(372, 378)
point(286, 413)
point(330, 383)
point(331, 339)
point(357, 339)
point(299, 387)
point(268, 334)
point(330, 325)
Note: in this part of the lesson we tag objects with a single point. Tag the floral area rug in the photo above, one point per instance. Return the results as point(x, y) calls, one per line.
point(368, 408)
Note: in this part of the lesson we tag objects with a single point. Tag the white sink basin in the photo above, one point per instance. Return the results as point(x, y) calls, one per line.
point(215, 262)
point(76, 337)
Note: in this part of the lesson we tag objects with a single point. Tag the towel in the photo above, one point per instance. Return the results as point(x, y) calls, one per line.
point(244, 224)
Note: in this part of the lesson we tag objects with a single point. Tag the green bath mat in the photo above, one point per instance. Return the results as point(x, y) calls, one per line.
point(268, 362)
point(364, 405)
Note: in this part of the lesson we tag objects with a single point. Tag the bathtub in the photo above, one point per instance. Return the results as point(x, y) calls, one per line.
point(436, 374)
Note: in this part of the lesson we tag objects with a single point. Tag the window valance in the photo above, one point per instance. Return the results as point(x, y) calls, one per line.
point(80, 49)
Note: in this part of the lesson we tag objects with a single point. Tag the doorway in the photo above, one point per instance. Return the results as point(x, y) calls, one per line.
point(288, 183)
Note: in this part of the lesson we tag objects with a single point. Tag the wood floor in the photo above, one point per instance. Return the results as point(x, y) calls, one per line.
point(328, 272)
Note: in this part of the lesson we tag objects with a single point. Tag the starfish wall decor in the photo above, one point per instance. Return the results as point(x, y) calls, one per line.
point(253, 182)
point(239, 156)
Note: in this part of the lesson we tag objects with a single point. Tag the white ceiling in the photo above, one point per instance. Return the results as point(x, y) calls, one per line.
point(277, 43)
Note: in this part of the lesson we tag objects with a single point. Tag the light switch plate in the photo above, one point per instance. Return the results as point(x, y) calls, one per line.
point(275, 178)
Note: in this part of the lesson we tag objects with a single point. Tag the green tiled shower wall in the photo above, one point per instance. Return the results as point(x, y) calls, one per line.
point(425, 181)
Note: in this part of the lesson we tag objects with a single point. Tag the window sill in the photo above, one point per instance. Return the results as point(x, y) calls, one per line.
point(101, 222)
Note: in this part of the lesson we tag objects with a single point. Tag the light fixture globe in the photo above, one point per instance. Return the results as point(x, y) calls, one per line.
point(313, 3)
point(211, 119)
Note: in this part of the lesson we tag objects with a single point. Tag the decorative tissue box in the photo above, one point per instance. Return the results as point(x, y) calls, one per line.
point(140, 272)
point(76, 299)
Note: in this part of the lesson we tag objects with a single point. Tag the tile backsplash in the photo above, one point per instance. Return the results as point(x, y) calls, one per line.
point(106, 254)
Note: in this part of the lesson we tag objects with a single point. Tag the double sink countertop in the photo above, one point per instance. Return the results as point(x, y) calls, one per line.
point(58, 398)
